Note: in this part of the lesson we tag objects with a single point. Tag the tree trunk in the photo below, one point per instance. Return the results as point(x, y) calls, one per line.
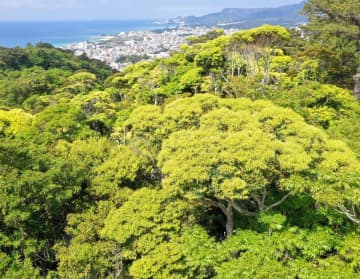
point(229, 220)
point(156, 99)
point(357, 84)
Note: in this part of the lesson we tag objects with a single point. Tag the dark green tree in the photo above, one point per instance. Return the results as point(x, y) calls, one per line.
point(334, 26)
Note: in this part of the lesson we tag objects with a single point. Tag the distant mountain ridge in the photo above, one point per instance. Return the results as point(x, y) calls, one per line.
point(247, 18)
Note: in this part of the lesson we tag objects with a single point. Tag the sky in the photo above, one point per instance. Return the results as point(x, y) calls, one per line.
point(15, 10)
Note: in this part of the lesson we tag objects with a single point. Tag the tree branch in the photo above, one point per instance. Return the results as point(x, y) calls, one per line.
point(244, 211)
point(263, 199)
point(215, 204)
point(257, 200)
point(241, 210)
point(350, 214)
point(284, 198)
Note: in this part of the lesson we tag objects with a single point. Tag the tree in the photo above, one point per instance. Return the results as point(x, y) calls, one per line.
point(13, 122)
point(86, 255)
point(357, 84)
point(14, 58)
point(210, 57)
point(99, 110)
point(61, 121)
point(82, 82)
point(191, 80)
point(150, 219)
point(251, 157)
point(211, 35)
point(288, 253)
point(336, 23)
point(258, 45)
point(188, 255)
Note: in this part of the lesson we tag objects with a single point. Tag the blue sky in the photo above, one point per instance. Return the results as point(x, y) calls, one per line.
point(120, 9)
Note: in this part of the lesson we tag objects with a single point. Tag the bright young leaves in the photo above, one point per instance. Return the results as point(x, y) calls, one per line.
point(247, 156)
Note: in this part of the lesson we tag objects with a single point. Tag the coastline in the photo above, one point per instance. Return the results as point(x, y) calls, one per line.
point(127, 48)
point(61, 33)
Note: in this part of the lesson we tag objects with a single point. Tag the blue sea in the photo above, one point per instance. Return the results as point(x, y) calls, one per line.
point(61, 33)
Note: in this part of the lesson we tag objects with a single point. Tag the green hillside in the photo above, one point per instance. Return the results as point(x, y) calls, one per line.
point(236, 157)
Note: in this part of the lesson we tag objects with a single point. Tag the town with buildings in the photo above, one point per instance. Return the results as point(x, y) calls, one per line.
point(126, 48)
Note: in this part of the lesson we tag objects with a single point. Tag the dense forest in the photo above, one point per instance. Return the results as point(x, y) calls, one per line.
point(236, 157)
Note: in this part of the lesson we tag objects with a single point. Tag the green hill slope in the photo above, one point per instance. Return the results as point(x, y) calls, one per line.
point(236, 157)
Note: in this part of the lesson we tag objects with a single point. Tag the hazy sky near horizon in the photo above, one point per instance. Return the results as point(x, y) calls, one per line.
point(120, 9)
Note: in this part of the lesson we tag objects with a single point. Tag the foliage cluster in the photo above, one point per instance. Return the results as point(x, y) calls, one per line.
point(236, 157)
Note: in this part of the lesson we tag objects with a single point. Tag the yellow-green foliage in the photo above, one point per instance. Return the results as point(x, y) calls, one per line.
point(234, 149)
point(146, 220)
point(14, 121)
point(268, 33)
point(139, 175)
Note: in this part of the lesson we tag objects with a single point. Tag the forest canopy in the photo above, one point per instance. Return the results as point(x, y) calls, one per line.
point(236, 157)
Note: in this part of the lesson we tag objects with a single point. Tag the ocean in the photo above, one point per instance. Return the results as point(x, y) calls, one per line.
point(14, 34)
